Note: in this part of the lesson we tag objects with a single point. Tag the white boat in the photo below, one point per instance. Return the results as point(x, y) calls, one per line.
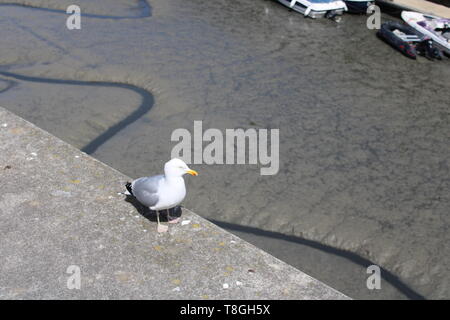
point(436, 28)
point(316, 8)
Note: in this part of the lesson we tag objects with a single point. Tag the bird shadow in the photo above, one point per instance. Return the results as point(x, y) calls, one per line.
point(150, 214)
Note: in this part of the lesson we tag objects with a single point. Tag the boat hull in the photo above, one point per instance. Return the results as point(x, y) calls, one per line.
point(316, 9)
point(355, 6)
point(422, 24)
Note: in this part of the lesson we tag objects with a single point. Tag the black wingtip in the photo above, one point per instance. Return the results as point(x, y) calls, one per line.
point(128, 186)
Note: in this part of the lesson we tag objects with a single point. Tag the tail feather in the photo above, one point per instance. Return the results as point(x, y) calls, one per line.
point(129, 188)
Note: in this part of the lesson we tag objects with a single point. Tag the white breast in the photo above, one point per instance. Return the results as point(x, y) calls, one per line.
point(171, 193)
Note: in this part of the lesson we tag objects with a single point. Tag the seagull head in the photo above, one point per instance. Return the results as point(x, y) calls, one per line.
point(177, 168)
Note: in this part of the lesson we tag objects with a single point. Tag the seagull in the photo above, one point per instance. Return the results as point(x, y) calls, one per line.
point(162, 192)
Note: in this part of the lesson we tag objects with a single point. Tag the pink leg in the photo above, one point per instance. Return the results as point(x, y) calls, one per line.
point(169, 218)
point(161, 228)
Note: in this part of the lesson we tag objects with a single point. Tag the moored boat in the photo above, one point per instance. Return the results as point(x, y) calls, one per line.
point(408, 41)
point(436, 28)
point(400, 36)
point(316, 8)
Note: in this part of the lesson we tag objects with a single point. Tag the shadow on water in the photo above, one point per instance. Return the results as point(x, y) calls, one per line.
point(389, 277)
point(92, 146)
point(9, 85)
point(143, 6)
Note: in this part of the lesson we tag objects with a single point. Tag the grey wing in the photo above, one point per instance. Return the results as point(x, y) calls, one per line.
point(146, 190)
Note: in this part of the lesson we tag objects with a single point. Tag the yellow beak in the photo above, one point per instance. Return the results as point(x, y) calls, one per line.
point(192, 172)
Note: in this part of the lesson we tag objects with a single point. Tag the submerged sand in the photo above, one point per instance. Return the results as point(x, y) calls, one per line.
point(364, 131)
